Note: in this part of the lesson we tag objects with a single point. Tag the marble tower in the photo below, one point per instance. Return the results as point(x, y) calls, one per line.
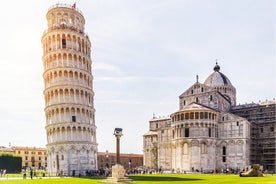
point(68, 92)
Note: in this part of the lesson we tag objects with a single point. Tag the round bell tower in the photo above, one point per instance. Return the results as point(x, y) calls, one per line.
point(68, 92)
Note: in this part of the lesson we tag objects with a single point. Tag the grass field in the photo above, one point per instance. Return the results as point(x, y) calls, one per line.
point(158, 179)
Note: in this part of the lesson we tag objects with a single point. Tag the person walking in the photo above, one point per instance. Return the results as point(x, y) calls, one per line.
point(24, 174)
point(31, 173)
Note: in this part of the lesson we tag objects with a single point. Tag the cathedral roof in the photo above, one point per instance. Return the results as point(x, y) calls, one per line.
point(150, 133)
point(217, 78)
point(194, 106)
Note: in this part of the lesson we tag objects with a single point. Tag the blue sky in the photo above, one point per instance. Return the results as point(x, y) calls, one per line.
point(145, 54)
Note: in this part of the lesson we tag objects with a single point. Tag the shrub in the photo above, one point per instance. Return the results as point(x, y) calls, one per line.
point(12, 163)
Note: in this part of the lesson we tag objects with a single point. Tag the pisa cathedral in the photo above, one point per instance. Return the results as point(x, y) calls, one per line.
point(68, 92)
point(205, 134)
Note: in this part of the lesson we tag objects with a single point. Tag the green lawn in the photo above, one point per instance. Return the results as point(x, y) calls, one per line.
point(158, 179)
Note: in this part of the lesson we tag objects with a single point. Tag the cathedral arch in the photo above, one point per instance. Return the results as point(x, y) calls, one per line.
point(70, 74)
point(191, 115)
point(196, 115)
point(194, 143)
point(185, 148)
point(203, 147)
point(58, 41)
point(182, 116)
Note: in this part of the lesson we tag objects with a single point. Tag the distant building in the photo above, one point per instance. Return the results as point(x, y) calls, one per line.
point(37, 158)
point(4, 149)
point(32, 156)
point(128, 160)
point(263, 136)
point(210, 132)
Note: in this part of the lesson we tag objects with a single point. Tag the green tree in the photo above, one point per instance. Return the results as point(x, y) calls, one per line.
point(12, 163)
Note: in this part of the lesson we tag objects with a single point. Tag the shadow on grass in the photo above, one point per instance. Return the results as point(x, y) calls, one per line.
point(149, 178)
point(161, 178)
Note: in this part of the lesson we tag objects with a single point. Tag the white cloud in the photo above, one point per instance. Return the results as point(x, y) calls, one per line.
point(105, 66)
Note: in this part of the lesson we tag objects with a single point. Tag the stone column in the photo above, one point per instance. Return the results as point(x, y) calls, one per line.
point(118, 149)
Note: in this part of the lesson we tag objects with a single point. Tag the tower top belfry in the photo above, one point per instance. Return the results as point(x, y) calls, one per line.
point(65, 15)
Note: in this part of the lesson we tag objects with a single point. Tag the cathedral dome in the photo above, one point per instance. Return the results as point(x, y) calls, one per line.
point(217, 78)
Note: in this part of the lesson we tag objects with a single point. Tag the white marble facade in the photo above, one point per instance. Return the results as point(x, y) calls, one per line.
point(202, 135)
point(68, 92)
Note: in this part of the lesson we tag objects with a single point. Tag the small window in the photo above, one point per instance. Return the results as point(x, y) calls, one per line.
point(192, 92)
point(223, 150)
point(186, 132)
point(272, 129)
point(210, 132)
point(237, 123)
point(63, 43)
point(211, 98)
point(74, 118)
point(261, 130)
point(156, 125)
point(224, 159)
point(201, 89)
point(184, 102)
point(197, 100)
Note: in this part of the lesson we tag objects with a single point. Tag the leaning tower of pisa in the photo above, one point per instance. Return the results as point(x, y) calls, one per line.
point(68, 92)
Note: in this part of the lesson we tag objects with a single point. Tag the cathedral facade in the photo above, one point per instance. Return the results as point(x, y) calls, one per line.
point(203, 135)
point(68, 92)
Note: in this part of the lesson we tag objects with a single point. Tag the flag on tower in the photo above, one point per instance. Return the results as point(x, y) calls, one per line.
point(73, 6)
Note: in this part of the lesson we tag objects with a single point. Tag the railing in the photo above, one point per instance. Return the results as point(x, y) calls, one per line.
point(64, 26)
point(65, 6)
